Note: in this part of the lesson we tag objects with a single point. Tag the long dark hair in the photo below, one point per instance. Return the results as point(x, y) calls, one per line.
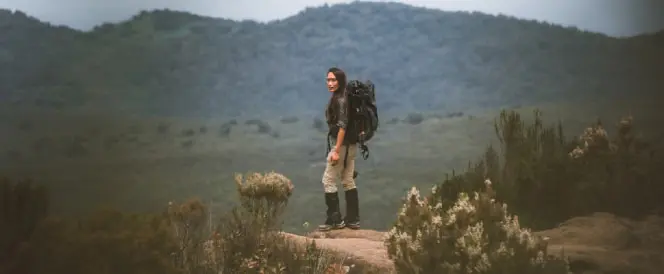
point(341, 79)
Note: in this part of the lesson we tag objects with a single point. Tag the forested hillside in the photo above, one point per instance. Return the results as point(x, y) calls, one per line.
point(175, 63)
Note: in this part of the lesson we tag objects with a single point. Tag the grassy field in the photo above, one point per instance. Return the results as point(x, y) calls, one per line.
point(142, 163)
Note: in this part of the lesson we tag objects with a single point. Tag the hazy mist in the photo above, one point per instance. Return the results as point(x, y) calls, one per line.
point(612, 17)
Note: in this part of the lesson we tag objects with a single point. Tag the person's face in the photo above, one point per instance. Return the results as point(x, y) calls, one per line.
point(332, 83)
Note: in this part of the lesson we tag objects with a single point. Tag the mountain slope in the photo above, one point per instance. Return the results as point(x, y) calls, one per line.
point(30, 54)
point(176, 63)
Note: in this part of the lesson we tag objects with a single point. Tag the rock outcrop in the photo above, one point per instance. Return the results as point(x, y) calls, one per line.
point(364, 246)
point(599, 243)
point(604, 243)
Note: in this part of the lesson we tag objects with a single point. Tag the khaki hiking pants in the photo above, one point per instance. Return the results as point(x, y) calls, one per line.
point(336, 172)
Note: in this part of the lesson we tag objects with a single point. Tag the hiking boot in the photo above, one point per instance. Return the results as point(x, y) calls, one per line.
point(352, 218)
point(334, 220)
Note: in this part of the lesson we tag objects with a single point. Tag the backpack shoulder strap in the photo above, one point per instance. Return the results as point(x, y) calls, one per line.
point(346, 156)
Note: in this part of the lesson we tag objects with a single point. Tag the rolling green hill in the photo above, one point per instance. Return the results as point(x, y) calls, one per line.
point(175, 63)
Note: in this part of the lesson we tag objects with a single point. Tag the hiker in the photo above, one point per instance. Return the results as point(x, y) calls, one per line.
point(340, 159)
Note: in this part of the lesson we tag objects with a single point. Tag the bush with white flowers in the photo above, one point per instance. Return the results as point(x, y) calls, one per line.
point(475, 234)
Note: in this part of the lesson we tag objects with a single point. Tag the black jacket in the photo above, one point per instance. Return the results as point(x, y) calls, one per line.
point(336, 115)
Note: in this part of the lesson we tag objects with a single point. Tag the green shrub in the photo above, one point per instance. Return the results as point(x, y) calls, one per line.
point(108, 241)
point(242, 244)
point(474, 234)
point(621, 174)
point(536, 176)
point(547, 178)
point(22, 207)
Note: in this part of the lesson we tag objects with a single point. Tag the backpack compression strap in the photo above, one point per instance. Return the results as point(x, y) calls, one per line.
point(365, 151)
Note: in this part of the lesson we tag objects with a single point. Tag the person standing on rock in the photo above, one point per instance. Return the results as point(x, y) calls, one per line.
point(340, 159)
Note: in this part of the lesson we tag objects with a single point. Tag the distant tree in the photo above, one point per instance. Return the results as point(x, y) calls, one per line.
point(420, 59)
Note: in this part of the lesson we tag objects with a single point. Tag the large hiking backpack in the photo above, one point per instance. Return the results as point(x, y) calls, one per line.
point(362, 117)
point(362, 114)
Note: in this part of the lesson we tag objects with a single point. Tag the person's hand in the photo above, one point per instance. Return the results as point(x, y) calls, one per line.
point(333, 157)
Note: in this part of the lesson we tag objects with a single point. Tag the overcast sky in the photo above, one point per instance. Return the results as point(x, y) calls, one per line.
point(613, 17)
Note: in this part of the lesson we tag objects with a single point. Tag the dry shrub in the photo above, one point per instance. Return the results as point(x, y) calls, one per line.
point(271, 187)
point(179, 240)
point(249, 240)
point(188, 221)
point(243, 244)
point(264, 195)
point(474, 234)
